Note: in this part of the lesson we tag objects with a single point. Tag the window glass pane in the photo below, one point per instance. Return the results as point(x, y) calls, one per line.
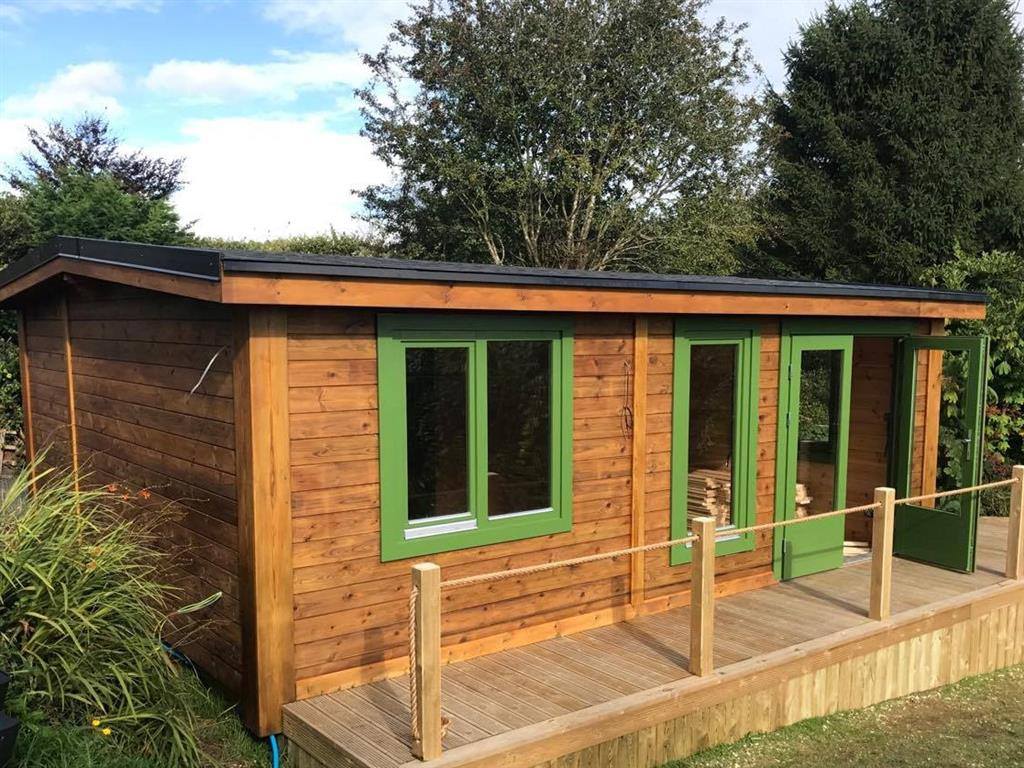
point(518, 426)
point(712, 428)
point(818, 437)
point(940, 462)
point(437, 429)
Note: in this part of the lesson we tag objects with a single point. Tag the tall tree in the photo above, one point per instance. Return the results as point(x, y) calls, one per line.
point(97, 206)
point(565, 133)
point(900, 132)
point(89, 147)
point(79, 184)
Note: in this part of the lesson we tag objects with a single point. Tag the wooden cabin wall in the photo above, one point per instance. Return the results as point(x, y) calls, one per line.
point(351, 610)
point(135, 355)
point(871, 410)
point(47, 389)
point(871, 401)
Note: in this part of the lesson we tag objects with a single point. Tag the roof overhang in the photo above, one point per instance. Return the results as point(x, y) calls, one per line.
point(235, 277)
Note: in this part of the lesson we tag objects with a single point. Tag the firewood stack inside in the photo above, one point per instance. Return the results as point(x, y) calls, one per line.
point(709, 494)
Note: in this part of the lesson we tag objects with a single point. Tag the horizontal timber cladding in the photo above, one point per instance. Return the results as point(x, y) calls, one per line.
point(871, 413)
point(871, 400)
point(136, 356)
point(351, 610)
point(47, 382)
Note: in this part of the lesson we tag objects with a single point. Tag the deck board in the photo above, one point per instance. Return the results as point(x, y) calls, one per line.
point(519, 687)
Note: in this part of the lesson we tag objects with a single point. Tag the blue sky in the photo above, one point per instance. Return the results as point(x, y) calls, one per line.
point(256, 95)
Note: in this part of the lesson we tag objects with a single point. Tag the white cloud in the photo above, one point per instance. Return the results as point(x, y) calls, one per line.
point(14, 138)
point(215, 81)
point(363, 23)
point(271, 177)
point(90, 87)
point(10, 13)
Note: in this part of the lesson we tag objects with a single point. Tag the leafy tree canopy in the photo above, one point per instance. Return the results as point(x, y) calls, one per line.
point(900, 131)
point(88, 147)
point(80, 187)
point(564, 133)
point(84, 206)
point(1000, 275)
point(328, 243)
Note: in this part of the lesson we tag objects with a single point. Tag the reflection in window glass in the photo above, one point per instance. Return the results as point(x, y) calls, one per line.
point(818, 436)
point(952, 454)
point(712, 428)
point(518, 426)
point(437, 402)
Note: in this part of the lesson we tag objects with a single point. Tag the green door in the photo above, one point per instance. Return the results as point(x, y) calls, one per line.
point(942, 453)
point(814, 412)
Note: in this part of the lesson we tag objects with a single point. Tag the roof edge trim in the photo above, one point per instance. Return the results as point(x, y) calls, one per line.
point(605, 281)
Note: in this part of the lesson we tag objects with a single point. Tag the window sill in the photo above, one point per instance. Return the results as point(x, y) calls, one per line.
point(516, 526)
point(682, 554)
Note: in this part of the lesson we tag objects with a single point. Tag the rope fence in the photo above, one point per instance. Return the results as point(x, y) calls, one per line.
point(957, 491)
point(414, 698)
point(428, 746)
point(531, 569)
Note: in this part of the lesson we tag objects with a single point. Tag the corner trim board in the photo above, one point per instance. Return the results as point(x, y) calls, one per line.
point(69, 370)
point(26, 395)
point(264, 516)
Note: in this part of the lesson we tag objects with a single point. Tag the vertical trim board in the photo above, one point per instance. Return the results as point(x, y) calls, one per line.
point(264, 516)
point(639, 459)
point(69, 370)
point(933, 403)
point(26, 394)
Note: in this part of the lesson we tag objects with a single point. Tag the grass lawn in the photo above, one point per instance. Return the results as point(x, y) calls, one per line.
point(978, 722)
point(226, 742)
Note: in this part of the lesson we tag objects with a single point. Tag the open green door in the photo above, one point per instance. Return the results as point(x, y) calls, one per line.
point(939, 442)
point(814, 416)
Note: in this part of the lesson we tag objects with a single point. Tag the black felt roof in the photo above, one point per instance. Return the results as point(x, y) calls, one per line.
point(209, 264)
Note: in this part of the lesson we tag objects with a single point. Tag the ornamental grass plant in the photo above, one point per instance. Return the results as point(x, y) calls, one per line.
point(83, 608)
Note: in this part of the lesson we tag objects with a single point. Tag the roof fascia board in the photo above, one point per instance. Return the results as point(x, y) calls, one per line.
point(196, 287)
point(403, 270)
point(385, 293)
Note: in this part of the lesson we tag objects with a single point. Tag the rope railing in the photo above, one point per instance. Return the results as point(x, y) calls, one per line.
point(794, 520)
point(428, 726)
point(414, 697)
point(957, 491)
point(531, 569)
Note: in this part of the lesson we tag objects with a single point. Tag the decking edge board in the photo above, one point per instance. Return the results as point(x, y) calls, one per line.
point(600, 723)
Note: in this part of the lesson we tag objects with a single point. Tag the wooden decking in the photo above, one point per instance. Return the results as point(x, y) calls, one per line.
point(515, 689)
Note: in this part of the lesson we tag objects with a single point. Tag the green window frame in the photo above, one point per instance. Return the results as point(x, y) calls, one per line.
point(402, 537)
point(746, 339)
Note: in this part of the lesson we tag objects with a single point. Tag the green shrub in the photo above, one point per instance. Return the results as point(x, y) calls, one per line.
point(330, 243)
point(82, 610)
point(1001, 276)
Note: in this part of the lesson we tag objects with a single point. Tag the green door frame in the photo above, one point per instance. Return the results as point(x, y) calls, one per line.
point(816, 327)
point(942, 535)
point(788, 449)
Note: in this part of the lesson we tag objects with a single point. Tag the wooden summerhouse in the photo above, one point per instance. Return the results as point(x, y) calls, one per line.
point(323, 424)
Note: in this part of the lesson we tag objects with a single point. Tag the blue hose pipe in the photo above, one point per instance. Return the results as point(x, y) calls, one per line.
point(275, 754)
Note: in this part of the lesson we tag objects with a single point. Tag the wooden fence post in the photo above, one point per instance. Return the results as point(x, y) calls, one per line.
point(881, 554)
point(702, 598)
point(426, 672)
point(1015, 542)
